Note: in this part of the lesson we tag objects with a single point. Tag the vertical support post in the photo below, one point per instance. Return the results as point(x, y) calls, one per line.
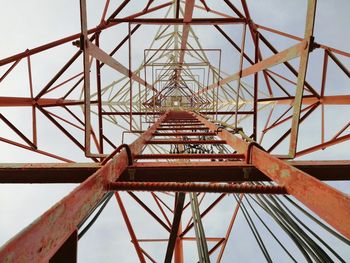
point(99, 96)
point(256, 86)
point(130, 73)
point(253, 29)
point(154, 95)
point(199, 230)
point(323, 87)
point(179, 250)
point(240, 72)
point(175, 227)
point(324, 72)
point(140, 106)
point(31, 96)
point(322, 123)
point(84, 46)
point(308, 36)
point(218, 86)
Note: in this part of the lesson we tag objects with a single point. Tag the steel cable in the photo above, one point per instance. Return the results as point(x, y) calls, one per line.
point(270, 231)
point(254, 231)
point(312, 232)
point(93, 220)
point(287, 230)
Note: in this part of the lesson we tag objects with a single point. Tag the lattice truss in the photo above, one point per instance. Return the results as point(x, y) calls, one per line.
point(215, 105)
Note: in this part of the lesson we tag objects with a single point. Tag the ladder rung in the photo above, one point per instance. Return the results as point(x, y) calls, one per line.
point(185, 134)
point(186, 142)
point(189, 156)
point(187, 128)
point(197, 187)
point(180, 120)
point(183, 124)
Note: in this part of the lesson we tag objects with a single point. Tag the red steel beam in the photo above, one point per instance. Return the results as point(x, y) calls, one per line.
point(326, 100)
point(179, 21)
point(23, 102)
point(330, 204)
point(189, 7)
point(185, 134)
point(102, 56)
point(17, 131)
point(23, 146)
point(190, 156)
point(176, 225)
point(272, 30)
point(283, 56)
point(40, 240)
point(186, 142)
point(182, 129)
point(197, 187)
point(157, 172)
point(56, 43)
point(149, 211)
point(323, 145)
point(181, 124)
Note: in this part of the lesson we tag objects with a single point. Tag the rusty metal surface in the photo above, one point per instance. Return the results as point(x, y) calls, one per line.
point(162, 172)
point(39, 241)
point(180, 92)
point(197, 187)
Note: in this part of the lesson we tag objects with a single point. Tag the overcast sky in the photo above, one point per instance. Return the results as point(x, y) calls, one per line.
point(27, 24)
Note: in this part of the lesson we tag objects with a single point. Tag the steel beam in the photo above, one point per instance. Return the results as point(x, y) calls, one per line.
point(201, 241)
point(30, 102)
point(283, 56)
point(40, 240)
point(178, 21)
point(164, 172)
point(327, 202)
point(70, 38)
point(307, 100)
point(102, 56)
point(308, 37)
point(196, 187)
point(175, 227)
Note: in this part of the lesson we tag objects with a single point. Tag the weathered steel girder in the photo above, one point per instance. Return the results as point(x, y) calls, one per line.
point(54, 173)
point(195, 154)
point(42, 239)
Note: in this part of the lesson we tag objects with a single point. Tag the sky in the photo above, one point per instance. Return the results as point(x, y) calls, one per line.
point(27, 24)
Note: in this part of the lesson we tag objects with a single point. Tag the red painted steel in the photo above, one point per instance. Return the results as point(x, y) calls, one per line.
point(160, 172)
point(336, 210)
point(186, 142)
point(176, 94)
point(185, 134)
point(196, 187)
point(40, 241)
point(190, 156)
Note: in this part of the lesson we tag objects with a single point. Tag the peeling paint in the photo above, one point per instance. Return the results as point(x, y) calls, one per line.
point(285, 173)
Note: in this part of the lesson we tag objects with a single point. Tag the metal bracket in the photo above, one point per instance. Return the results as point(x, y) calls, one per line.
point(249, 151)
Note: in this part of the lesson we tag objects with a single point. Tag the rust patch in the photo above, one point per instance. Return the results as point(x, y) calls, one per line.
point(285, 173)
